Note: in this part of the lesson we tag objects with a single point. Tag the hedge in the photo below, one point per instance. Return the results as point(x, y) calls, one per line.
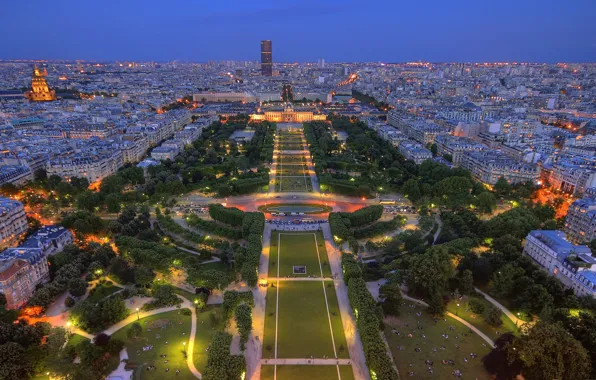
point(368, 323)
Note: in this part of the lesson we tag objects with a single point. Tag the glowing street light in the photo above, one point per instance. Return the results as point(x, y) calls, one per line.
point(457, 311)
point(138, 318)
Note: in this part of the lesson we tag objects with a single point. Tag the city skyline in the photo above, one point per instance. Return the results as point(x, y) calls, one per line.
point(304, 32)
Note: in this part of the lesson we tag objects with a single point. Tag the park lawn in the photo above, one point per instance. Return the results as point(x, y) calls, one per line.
point(101, 292)
point(307, 372)
point(75, 339)
point(478, 321)
point(216, 265)
point(303, 325)
point(299, 183)
point(269, 330)
point(288, 145)
point(298, 249)
point(206, 329)
point(524, 316)
point(291, 170)
point(291, 159)
point(472, 343)
point(173, 349)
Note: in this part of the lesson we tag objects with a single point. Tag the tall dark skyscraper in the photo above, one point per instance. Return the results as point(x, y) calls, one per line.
point(266, 59)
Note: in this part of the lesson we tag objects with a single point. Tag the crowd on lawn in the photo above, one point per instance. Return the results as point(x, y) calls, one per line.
point(419, 328)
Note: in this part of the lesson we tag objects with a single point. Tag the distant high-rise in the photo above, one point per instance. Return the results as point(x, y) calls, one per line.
point(287, 94)
point(266, 59)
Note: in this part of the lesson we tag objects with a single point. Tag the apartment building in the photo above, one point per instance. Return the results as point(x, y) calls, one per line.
point(414, 151)
point(13, 222)
point(573, 265)
point(16, 283)
point(94, 167)
point(488, 166)
point(456, 147)
point(580, 222)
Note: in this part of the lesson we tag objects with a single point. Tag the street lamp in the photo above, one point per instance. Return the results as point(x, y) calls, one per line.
point(138, 318)
point(184, 347)
point(457, 311)
point(517, 321)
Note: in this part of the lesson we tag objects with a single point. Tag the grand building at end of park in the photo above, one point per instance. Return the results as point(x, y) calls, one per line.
point(287, 113)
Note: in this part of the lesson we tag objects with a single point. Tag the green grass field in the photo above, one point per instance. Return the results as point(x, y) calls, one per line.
point(296, 249)
point(291, 170)
point(469, 343)
point(158, 337)
point(207, 326)
point(102, 291)
point(291, 159)
point(478, 321)
point(307, 372)
point(294, 184)
point(303, 324)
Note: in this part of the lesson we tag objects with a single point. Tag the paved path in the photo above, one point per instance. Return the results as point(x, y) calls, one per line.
point(305, 362)
point(354, 343)
point(464, 322)
point(505, 311)
point(191, 341)
point(440, 222)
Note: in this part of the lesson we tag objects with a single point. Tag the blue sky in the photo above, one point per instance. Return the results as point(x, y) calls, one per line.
point(305, 30)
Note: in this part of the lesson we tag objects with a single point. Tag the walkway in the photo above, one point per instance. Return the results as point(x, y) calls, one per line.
point(505, 311)
point(355, 348)
point(464, 322)
point(305, 361)
point(440, 222)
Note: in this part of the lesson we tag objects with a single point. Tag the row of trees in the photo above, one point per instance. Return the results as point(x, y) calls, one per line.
point(221, 365)
point(368, 321)
point(343, 224)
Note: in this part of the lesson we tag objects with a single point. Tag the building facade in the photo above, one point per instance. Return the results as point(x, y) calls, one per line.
point(488, 166)
point(573, 265)
point(266, 58)
point(580, 222)
point(16, 283)
point(456, 147)
point(13, 222)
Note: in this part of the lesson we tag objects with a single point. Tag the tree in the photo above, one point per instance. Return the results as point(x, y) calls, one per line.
point(428, 273)
point(502, 187)
point(243, 316)
point(492, 316)
point(549, 352)
point(466, 282)
point(497, 363)
point(69, 301)
point(13, 365)
point(436, 306)
point(77, 287)
point(134, 330)
point(391, 298)
point(144, 276)
point(486, 202)
point(101, 339)
point(113, 203)
point(411, 189)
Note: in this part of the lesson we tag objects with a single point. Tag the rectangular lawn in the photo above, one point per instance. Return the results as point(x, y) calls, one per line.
point(303, 323)
point(307, 372)
point(294, 184)
point(298, 249)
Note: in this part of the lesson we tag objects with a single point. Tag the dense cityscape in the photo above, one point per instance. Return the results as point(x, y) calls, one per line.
point(297, 220)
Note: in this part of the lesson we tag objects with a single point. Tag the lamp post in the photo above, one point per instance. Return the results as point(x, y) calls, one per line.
point(138, 318)
point(457, 311)
point(517, 321)
point(184, 347)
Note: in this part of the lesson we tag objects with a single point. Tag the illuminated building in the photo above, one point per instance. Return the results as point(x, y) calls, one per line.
point(40, 92)
point(16, 283)
point(13, 222)
point(288, 114)
point(573, 265)
point(266, 58)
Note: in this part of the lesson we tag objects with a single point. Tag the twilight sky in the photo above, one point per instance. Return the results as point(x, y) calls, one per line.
point(301, 30)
